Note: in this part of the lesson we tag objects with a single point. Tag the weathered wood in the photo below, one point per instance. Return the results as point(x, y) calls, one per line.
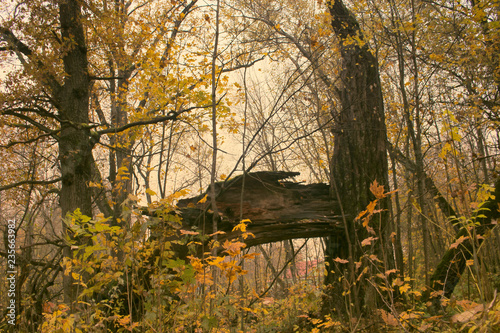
point(278, 209)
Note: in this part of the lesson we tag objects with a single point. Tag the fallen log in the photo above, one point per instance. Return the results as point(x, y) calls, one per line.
point(278, 209)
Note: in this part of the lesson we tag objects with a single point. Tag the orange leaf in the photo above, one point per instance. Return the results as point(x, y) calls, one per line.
point(220, 232)
point(377, 190)
point(341, 261)
point(371, 206)
point(388, 318)
point(391, 271)
point(188, 232)
point(368, 241)
point(459, 241)
point(369, 210)
point(370, 230)
point(233, 248)
point(124, 321)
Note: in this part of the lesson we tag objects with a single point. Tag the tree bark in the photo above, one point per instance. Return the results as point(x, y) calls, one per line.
point(359, 158)
point(75, 146)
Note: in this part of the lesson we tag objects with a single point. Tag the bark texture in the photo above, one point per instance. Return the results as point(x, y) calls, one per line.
point(359, 159)
point(75, 146)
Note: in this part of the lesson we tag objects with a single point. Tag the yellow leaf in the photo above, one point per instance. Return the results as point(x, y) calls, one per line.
point(242, 225)
point(397, 282)
point(404, 288)
point(315, 321)
point(133, 197)
point(204, 199)
point(92, 184)
point(455, 136)
point(444, 151)
point(248, 309)
point(217, 262)
point(150, 192)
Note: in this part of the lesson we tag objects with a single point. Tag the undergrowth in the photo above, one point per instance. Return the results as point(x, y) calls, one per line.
point(133, 281)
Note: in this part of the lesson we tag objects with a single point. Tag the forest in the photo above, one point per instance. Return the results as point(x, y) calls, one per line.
point(249, 166)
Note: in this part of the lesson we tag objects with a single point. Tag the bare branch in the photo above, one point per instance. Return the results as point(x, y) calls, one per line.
point(250, 64)
point(29, 120)
point(30, 182)
point(172, 115)
point(13, 143)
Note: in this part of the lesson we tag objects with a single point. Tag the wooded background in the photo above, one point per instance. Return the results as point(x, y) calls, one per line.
point(260, 165)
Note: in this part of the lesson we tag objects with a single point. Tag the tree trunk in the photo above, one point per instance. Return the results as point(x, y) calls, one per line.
point(75, 146)
point(359, 159)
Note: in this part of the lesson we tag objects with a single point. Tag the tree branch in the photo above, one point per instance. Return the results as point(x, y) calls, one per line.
point(172, 115)
point(29, 120)
point(30, 182)
point(16, 45)
point(168, 47)
point(248, 65)
point(13, 143)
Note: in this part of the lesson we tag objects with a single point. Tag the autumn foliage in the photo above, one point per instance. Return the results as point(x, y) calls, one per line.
point(113, 112)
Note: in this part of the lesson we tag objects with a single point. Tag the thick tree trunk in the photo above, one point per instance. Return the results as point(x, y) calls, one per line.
point(359, 159)
point(75, 147)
